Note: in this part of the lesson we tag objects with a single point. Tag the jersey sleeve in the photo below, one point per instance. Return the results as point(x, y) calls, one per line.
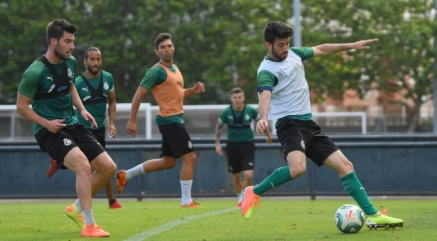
point(153, 77)
point(255, 114)
point(303, 52)
point(111, 80)
point(266, 81)
point(29, 82)
point(222, 117)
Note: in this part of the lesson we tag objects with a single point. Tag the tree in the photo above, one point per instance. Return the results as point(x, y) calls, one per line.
point(217, 42)
point(406, 34)
point(22, 39)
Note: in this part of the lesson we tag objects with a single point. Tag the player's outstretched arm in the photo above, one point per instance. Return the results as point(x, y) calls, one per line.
point(328, 49)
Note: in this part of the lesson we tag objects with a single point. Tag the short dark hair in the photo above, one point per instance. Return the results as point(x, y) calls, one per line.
point(56, 28)
point(160, 38)
point(91, 49)
point(277, 29)
point(236, 90)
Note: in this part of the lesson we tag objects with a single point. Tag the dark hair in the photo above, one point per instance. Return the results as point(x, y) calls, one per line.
point(56, 28)
point(236, 90)
point(90, 49)
point(160, 38)
point(275, 30)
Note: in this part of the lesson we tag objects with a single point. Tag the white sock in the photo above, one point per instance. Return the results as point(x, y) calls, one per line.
point(77, 203)
point(135, 171)
point(186, 192)
point(88, 216)
point(240, 196)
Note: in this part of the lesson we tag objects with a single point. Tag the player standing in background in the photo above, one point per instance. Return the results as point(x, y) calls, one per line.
point(47, 84)
point(166, 83)
point(96, 90)
point(240, 146)
point(284, 95)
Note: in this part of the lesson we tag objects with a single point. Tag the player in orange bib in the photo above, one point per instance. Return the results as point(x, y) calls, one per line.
point(166, 83)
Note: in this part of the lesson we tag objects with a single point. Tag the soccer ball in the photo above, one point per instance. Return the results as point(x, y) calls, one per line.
point(349, 218)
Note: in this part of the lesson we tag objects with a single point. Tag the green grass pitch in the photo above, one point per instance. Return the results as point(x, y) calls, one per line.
point(163, 219)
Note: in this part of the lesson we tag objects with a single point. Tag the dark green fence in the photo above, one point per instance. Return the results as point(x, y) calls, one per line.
point(386, 165)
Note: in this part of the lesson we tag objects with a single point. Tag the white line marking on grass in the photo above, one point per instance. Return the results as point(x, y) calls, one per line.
point(166, 226)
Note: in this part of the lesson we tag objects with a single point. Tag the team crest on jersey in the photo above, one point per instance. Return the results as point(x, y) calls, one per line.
point(302, 144)
point(106, 86)
point(247, 117)
point(67, 142)
point(70, 73)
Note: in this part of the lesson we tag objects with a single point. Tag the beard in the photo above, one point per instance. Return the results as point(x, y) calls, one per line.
point(278, 55)
point(59, 55)
point(92, 71)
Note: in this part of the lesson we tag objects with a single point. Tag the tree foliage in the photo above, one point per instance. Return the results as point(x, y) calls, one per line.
point(406, 33)
point(217, 42)
point(220, 42)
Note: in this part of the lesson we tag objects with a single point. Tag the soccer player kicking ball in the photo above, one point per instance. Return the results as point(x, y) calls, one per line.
point(284, 95)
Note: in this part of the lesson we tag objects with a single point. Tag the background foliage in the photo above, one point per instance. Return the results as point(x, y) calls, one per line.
point(220, 42)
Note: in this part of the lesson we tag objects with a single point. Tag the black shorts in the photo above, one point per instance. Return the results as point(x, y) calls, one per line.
point(99, 135)
point(241, 156)
point(176, 141)
point(57, 145)
point(307, 137)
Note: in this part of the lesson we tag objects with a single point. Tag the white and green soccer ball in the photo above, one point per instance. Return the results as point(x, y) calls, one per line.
point(349, 218)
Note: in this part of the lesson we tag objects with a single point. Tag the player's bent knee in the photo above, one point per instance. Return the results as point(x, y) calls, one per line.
point(248, 177)
point(297, 172)
point(348, 167)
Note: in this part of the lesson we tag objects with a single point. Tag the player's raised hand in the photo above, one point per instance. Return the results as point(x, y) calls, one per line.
point(55, 125)
point(363, 44)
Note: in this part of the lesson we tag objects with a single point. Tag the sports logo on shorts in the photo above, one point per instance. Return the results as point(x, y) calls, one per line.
point(67, 142)
point(302, 144)
point(190, 145)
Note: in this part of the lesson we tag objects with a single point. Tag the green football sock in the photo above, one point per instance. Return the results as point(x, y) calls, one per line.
point(276, 179)
point(353, 186)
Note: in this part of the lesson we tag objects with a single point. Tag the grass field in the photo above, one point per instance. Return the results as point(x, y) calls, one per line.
point(216, 220)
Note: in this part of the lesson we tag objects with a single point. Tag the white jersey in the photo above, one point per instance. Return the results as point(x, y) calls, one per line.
point(290, 95)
